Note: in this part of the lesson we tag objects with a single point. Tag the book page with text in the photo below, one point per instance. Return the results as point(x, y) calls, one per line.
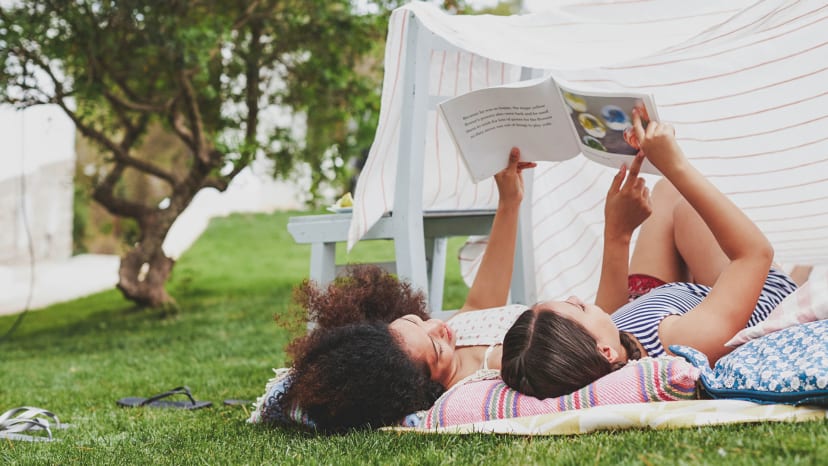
point(485, 125)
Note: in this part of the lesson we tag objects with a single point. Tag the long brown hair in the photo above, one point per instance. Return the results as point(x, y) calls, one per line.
point(547, 355)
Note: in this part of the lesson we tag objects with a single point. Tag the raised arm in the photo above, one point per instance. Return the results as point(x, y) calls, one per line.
point(627, 206)
point(491, 284)
point(733, 297)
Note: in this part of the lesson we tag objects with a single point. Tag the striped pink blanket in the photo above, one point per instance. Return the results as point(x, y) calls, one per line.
point(487, 397)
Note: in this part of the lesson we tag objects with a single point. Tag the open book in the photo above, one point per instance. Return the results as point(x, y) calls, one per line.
point(548, 121)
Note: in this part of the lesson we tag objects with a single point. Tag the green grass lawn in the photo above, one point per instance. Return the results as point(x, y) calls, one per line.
point(77, 358)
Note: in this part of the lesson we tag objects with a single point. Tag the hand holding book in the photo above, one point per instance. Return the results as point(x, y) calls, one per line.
point(549, 121)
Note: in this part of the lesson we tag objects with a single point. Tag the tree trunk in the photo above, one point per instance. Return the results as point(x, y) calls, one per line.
point(144, 270)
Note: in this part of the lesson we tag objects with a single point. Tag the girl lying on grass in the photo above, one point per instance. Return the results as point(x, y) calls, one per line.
point(705, 259)
point(375, 356)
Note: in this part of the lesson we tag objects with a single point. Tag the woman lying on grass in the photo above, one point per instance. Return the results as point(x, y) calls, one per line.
point(709, 258)
point(375, 356)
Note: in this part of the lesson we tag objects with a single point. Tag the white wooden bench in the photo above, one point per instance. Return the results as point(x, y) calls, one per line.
point(324, 232)
point(419, 236)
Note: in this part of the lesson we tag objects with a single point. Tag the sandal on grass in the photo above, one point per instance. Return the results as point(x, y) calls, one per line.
point(158, 401)
point(28, 419)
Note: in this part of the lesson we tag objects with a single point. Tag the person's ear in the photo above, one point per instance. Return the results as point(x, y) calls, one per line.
point(609, 352)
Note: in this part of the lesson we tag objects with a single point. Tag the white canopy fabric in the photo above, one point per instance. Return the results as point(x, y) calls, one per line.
point(743, 83)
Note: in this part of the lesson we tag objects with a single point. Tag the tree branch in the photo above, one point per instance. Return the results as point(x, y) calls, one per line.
point(119, 110)
point(240, 22)
point(252, 76)
point(194, 117)
point(119, 151)
point(58, 99)
point(219, 184)
point(129, 104)
point(105, 195)
point(142, 165)
point(175, 119)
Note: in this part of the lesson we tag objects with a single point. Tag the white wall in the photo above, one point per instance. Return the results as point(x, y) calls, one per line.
point(32, 138)
point(37, 158)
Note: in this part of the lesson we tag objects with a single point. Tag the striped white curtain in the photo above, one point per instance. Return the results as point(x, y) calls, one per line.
point(742, 82)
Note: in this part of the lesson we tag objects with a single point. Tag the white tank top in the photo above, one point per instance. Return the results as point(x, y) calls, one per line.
point(486, 326)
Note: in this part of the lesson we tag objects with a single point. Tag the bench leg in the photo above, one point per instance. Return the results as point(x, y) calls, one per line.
point(323, 263)
point(436, 263)
point(410, 252)
point(322, 267)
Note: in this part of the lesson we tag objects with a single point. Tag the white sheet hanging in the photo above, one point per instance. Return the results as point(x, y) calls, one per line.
point(742, 82)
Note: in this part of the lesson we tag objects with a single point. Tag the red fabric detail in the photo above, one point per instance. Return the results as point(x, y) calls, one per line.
point(639, 284)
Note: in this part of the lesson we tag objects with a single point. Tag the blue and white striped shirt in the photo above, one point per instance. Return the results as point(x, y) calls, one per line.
point(643, 316)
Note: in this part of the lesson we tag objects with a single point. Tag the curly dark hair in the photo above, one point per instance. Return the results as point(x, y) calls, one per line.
point(357, 376)
point(547, 355)
point(363, 293)
point(350, 371)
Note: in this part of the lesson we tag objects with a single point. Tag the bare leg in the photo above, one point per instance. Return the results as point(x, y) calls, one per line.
point(800, 273)
point(655, 252)
point(698, 247)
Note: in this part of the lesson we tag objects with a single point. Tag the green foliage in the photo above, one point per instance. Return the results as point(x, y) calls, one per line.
point(230, 80)
point(124, 64)
point(212, 74)
point(337, 88)
point(77, 358)
point(80, 219)
point(502, 8)
point(217, 65)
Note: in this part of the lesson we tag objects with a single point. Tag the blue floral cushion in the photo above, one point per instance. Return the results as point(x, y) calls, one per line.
point(788, 366)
